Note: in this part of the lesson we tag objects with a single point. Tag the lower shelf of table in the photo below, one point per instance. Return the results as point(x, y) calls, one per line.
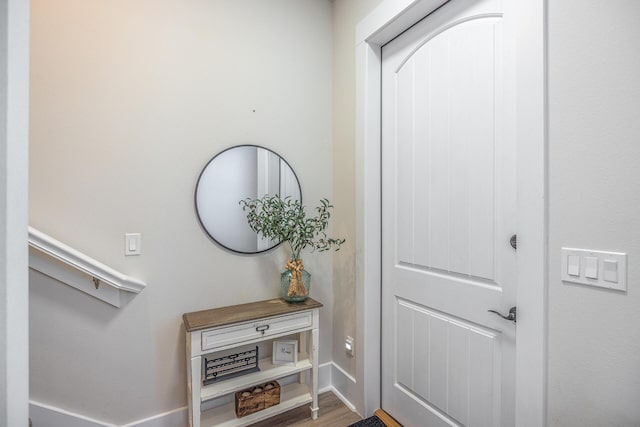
point(291, 396)
point(268, 372)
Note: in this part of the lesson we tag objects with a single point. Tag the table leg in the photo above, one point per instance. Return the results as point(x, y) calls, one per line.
point(315, 340)
point(195, 374)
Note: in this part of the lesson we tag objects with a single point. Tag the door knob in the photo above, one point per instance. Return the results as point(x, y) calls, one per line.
point(511, 316)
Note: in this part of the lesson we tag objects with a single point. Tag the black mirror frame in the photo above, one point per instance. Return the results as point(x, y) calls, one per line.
point(195, 198)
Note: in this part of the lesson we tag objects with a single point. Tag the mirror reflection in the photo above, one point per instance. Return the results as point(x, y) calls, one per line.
point(233, 175)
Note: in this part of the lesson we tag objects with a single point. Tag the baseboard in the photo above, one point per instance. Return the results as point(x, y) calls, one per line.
point(177, 417)
point(338, 382)
point(343, 383)
point(324, 376)
point(49, 416)
point(330, 378)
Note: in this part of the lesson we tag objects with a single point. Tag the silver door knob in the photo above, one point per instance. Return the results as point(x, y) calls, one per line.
point(511, 316)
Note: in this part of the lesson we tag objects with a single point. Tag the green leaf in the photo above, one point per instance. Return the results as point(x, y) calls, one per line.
point(285, 220)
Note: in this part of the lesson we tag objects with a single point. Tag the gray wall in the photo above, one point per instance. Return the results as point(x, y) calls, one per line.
point(129, 100)
point(594, 203)
point(346, 15)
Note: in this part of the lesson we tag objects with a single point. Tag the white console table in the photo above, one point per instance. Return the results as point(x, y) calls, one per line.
point(220, 329)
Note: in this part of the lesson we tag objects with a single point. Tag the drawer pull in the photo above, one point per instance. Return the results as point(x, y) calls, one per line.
point(262, 328)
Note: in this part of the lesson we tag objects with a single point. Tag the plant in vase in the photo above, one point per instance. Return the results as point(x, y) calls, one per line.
point(285, 220)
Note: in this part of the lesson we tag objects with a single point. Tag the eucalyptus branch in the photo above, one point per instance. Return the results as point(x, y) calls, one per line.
point(285, 220)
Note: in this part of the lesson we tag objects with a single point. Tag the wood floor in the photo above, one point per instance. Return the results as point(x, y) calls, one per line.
point(333, 413)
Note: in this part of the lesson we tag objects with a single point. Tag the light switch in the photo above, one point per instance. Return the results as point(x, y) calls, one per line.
point(132, 243)
point(591, 267)
point(610, 270)
point(573, 265)
point(595, 268)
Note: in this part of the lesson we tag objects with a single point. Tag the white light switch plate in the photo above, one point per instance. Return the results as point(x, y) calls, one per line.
point(132, 242)
point(607, 269)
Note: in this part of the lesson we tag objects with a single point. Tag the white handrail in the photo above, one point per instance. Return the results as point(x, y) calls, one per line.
point(76, 259)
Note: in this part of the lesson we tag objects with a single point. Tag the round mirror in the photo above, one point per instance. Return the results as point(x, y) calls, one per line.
point(233, 175)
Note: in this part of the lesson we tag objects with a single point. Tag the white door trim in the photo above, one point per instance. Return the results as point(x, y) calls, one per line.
point(387, 21)
point(14, 267)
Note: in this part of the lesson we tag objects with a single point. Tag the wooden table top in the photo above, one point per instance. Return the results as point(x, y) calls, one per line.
point(215, 317)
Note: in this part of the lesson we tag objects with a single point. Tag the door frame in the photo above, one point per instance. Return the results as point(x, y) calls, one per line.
point(14, 252)
point(384, 23)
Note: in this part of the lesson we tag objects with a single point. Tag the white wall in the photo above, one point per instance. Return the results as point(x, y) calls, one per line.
point(14, 319)
point(594, 187)
point(129, 101)
point(346, 15)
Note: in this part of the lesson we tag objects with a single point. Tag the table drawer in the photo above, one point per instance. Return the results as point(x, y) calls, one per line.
point(237, 334)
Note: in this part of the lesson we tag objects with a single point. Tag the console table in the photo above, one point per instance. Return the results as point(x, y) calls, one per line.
point(224, 328)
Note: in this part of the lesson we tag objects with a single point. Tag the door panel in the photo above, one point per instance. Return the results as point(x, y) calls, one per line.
point(446, 208)
point(448, 196)
point(448, 363)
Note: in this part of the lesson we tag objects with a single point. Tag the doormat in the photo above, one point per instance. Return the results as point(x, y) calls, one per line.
point(369, 422)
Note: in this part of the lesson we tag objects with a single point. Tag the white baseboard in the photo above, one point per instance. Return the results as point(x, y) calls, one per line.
point(330, 378)
point(336, 380)
point(176, 418)
point(324, 376)
point(49, 416)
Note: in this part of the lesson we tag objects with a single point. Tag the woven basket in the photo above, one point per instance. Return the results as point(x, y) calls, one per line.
point(257, 398)
point(271, 394)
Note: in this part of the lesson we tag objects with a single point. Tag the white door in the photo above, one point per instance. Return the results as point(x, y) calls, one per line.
point(448, 212)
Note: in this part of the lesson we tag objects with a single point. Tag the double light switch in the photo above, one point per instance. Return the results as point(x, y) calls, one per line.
point(595, 268)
